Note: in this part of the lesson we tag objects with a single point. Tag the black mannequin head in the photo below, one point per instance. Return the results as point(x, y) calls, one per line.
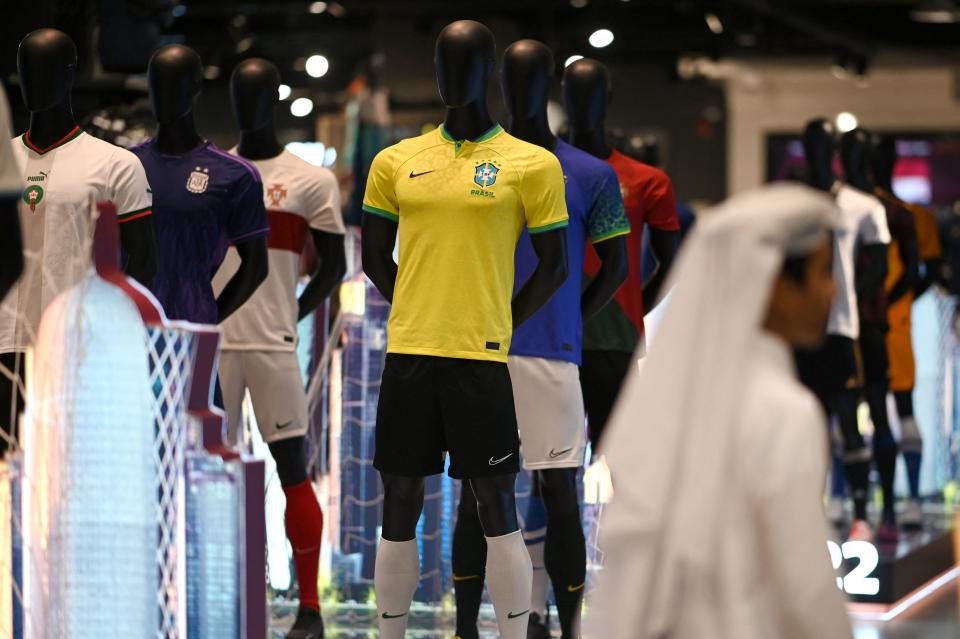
point(855, 154)
point(46, 63)
point(254, 87)
point(464, 58)
point(586, 91)
point(818, 146)
point(884, 158)
point(174, 74)
point(526, 78)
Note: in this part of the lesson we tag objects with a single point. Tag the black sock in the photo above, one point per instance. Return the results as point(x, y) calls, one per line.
point(565, 558)
point(469, 562)
point(885, 447)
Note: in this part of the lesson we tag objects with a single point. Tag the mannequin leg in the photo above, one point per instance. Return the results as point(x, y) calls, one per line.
point(397, 570)
point(534, 536)
point(469, 561)
point(911, 442)
point(565, 551)
point(856, 455)
point(884, 448)
point(509, 572)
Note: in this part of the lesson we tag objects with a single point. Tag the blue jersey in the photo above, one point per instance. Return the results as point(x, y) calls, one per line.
point(203, 201)
point(596, 213)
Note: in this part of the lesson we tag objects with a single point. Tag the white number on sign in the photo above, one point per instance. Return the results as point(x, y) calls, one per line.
point(858, 581)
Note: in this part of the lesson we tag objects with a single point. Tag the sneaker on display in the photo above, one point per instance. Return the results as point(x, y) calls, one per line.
point(860, 531)
point(537, 628)
point(887, 533)
point(912, 517)
point(836, 511)
point(308, 625)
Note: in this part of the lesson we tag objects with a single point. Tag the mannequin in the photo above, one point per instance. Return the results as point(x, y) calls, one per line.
point(526, 81)
point(464, 60)
point(917, 242)
point(174, 76)
point(258, 350)
point(609, 340)
point(56, 212)
point(833, 371)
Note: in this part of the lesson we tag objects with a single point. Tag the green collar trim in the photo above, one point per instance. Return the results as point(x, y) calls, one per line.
point(492, 132)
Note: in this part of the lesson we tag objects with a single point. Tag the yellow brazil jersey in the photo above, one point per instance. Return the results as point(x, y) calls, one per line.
point(461, 206)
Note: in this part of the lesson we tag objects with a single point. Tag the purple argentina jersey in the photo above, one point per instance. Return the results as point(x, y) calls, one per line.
point(203, 201)
point(596, 212)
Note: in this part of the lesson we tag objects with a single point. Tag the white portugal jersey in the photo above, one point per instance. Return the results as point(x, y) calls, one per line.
point(298, 197)
point(863, 221)
point(60, 183)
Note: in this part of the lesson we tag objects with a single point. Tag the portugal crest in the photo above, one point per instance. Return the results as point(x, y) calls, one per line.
point(486, 175)
point(32, 196)
point(197, 182)
point(276, 193)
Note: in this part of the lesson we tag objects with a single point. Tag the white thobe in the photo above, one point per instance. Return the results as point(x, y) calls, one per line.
point(771, 576)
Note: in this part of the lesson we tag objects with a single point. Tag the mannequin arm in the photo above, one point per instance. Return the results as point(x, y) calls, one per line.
point(378, 236)
point(251, 273)
point(11, 245)
point(664, 245)
point(550, 274)
point(869, 282)
point(612, 274)
point(932, 274)
point(136, 237)
point(910, 257)
point(333, 265)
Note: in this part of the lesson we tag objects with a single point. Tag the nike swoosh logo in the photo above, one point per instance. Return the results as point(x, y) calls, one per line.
point(415, 175)
point(576, 588)
point(493, 462)
point(465, 578)
point(514, 615)
point(387, 615)
point(282, 426)
point(554, 455)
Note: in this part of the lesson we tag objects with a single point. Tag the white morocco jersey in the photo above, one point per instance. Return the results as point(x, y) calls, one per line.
point(60, 184)
point(863, 221)
point(298, 197)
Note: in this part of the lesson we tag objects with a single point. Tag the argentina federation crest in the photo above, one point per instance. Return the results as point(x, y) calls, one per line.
point(485, 175)
point(198, 180)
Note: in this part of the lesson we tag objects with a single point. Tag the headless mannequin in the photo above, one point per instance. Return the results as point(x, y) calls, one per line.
point(586, 93)
point(47, 63)
point(855, 153)
point(254, 95)
point(464, 61)
point(175, 74)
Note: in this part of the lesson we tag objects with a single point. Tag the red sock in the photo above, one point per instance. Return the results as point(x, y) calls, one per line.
point(304, 522)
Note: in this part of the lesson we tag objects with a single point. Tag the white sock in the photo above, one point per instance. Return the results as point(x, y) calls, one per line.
point(396, 575)
point(541, 580)
point(509, 582)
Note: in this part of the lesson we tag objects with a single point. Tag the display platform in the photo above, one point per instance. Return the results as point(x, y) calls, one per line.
point(883, 580)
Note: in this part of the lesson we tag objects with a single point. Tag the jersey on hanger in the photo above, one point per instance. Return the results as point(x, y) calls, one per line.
point(61, 183)
point(204, 201)
point(648, 198)
point(863, 221)
point(596, 213)
point(461, 206)
point(298, 197)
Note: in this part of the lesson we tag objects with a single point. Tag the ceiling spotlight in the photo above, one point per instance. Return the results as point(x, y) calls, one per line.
point(846, 122)
point(936, 12)
point(572, 59)
point(713, 23)
point(244, 44)
point(284, 91)
point(318, 7)
point(317, 66)
point(211, 72)
point(578, 4)
point(601, 38)
point(301, 107)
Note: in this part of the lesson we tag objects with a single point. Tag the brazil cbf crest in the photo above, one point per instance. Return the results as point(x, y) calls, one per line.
point(198, 180)
point(486, 175)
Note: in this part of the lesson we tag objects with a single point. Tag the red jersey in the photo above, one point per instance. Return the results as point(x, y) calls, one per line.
point(648, 199)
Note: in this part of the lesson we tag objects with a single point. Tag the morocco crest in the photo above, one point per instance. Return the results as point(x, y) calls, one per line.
point(32, 196)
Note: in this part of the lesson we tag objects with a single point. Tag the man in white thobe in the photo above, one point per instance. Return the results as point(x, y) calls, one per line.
point(718, 455)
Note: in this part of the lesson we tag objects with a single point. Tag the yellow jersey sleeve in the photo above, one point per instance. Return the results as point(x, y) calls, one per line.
point(380, 197)
point(542, 191)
